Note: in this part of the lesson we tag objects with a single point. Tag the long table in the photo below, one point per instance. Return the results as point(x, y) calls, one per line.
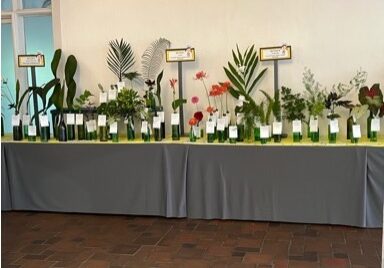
point(305, 184)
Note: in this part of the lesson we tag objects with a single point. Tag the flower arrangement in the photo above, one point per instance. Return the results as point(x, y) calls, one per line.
point(198, 115)
point(373, 97)
point(201, 76)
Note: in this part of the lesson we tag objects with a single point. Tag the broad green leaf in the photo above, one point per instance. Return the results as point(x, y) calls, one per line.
point(55, 62)
point(252, 70)
point(236, 73)
point(236, 60)
point(233, 79)
point(248, 55)
point(239, 56)
point(256, 80)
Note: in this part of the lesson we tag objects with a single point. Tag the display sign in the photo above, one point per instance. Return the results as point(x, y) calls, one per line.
point(70, 119)
point(31, 130)
point(102, 120)
point(264, 132)
point(313, 125)
point(232, 132)
point(144, 127)
point(79, 119)
point(221, 124)
point(277, 128)
point(275, 53)
point(180, 54)
point(375, 124)
point(356, 131)
point(113, 128)
point(175, 119)
point(37, 60)
point(334, 126)
point(210, 127)
point(157, 122)
point(296, 126)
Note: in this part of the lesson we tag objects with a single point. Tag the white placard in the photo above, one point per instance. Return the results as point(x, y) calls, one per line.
point(79, 119)
point(31, 130)
point(101, 120)
point(356, 131)
point(296, 126)
point(44, 121)
point(144, 127)
point(157, 122)
point(161, 115)
point(88, 125)
point(175, 119)
point(275, 53)
point(103, 97)
point(375, 124)
point(221, 124)
point(313, 125)
point(227, 119)
point(277, 128)
point(210, 127)
point(15, 120)
point(112, 94)
point(264, 132)
point(26, 119)
point(94, 125)
point(232, 132)
point(70, 119)
point(37, 60)
point(196, 131)
point(334, 126)
point(239, 118)
point(120, 86)
point(113, 128)
point(180, 54)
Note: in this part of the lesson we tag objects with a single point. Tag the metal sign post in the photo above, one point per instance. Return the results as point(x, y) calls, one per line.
point(180, 55)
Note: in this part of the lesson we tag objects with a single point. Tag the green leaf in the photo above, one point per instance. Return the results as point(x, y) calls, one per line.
point(55, 62)
point(233, 92)
point(177, 103)
point(256, 80)
point(239, 56)
point(17, 95)
point(250, 66)
point(252, 70)
point(235, 73)
point(158, 83)
point(236, 60)
point(21, 99)
point(70, 70)
point(54, 99)
point(248, 55)
point(233, 79)
point(120, 57)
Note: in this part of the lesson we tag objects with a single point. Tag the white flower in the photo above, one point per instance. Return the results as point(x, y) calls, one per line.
point(241, 69)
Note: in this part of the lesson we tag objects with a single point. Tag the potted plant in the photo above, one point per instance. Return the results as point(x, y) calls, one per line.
point(267, 108)
point(108, 113)
point(356, 113)
point(372, 97)
point(217, 91)
point(176, 103)
point(198, 115)
point(192, 132)
point(130, 105)
point(16, 104)
point(120, 58)
point(244, 78)
point(83, 102)
point(293, 106)
point(315, 101)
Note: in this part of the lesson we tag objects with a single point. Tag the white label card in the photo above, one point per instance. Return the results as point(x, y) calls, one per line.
point(264, 132)
point(31, 130)
point(221, 124)
point(196, 131)
point(94, 125)
point(175, 119)
point(296, 126)
point(239, 118)
point(102, 120)
point(157, 122)
point(210, 127)
point(144, 127)
point(15, 120)
point(70, 119)
point(26, 119)
point(103, 97)
point(113, 128)
point(112, 94)
point(120, 85)
point(79, 119)
point(375, 124)
point(161, 115)
point(88, 125)
point(44, 121)
point(334, 126)
point(356, 131)
point(313, 125)
point(277, 128)
point(232, 132)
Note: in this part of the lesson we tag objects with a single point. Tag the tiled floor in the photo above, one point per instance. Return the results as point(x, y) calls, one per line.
point(75, 240)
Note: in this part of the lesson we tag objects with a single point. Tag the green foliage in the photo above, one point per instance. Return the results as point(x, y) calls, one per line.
point(314, 95)
point(153, 58)
point(83, 100)
point(273, 107)
point(358, 111)
point(110, 109)
point(177, 103)
point(130, 103)
point(55, 62)
point(19, 99)
point(372, 97)
point(293, 105)
point(70, 70)
point(334, 100)
point(120, 57)
point(158, 87)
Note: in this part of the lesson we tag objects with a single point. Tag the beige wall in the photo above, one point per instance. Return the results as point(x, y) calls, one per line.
point(332, 37)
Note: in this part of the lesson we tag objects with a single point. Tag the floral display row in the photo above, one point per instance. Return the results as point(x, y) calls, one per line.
point(249, 120)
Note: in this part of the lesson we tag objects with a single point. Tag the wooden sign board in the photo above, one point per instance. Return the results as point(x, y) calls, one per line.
point(37, 60)
point(275, 53)
point(180, 54)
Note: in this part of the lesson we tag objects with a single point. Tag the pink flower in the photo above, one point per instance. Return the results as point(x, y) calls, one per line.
point(173, 82)
point(195, 99)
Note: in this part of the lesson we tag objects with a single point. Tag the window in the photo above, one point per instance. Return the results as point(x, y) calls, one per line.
point(25, 29)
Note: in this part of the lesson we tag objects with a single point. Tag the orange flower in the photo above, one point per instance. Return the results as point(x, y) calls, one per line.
point(226, 84)
point(192, 121)
point(216, 90)
point(173, 82)
point(210, 109)
point(200, 75)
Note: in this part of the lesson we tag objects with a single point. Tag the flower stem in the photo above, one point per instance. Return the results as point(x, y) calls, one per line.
point(206, 91)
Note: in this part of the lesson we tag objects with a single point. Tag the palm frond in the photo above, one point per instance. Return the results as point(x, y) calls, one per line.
point(153, 58)
point(120, 57)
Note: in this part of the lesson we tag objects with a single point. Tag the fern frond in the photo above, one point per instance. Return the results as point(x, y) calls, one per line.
point(153, 58)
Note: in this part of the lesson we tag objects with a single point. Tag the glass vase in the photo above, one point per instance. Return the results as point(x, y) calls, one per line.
point(80, 132)
point(17, 132)
point(221, 136)
point(256, 133)
point(315, 136)
point(349, 127)
point(240, 132)
point(332, 137)
point(296, 136)
point(157, 134)
point(146, 136)
point(277, 138)
point(175, 132)
point(369, 123)
point(62, 129)
point(130, 129)
point(103, 133)
point(71, 132)
point(115, 137)
point(44, 134)
point(192, 136)
point(25, 131)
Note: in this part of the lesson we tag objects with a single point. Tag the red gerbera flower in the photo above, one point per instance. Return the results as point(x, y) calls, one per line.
point(198, 116)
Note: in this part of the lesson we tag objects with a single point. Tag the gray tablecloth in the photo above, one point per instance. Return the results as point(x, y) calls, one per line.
point(321, 184)
point(145, 179)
